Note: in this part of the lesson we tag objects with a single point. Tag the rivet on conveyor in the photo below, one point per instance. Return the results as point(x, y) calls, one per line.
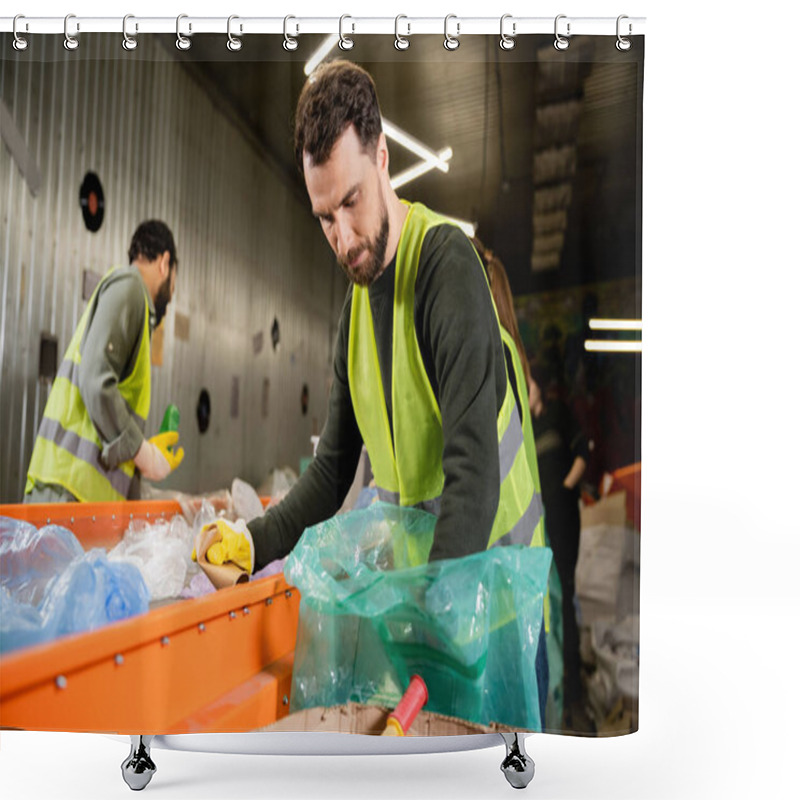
point(232, 615)
point(285, 700)
point(147, 515)
point(269, 601)
point(288, 593)
point(72, 520)
point(131, 516)
point(94, 519)
point(201, 627)
point(165, 640)
point(118, 659)
point(61, 682)
point(245, 610)
point(113, 517)
point(48, 520)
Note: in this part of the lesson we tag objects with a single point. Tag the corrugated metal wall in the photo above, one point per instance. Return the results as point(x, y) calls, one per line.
point(249, 251)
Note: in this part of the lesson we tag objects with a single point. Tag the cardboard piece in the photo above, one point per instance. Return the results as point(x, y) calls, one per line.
point(224, 575)
point(371, 720)
point(608, 510)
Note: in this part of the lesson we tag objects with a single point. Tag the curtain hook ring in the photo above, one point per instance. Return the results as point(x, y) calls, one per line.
point(234, 42)
point(451, 42)
point(70, 42)
point(623, 43)
point(182, 42)
point(561, 42)
point(20, 43)
point(129, 42)
point(345, 42)
point(289, 43)
point(507, 42)
point(400, 42)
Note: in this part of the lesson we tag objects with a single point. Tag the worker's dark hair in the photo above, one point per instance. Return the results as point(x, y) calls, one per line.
point(150, 240)
point(503, 299)
point(336, 95)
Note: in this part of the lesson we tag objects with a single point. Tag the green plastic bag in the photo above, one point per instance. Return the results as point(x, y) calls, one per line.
point(373, 613)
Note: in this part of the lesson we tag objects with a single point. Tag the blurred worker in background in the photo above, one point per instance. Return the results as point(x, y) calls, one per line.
point(562, 452)
point(419, 370)
point(90, 445)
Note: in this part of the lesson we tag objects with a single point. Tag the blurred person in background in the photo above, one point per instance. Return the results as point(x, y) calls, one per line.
point(90, 446)
point(562, 452)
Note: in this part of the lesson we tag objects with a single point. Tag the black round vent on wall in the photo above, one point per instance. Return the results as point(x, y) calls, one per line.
point(93, 204)
point(204, 411)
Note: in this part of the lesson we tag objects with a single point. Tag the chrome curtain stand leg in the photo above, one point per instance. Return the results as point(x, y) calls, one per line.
point(518, 766)
point(138, 768)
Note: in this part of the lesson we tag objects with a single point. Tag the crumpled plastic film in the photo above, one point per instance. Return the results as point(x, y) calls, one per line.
point(246, 503)
point(373, 613)
point(31, 557)
point(161, 551)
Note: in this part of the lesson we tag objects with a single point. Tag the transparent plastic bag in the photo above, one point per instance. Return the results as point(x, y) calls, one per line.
point(30, 558)
point(373, 613)
point(246, 503)
point(161, 551)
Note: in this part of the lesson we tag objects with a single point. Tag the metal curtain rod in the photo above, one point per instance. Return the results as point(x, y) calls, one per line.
point(295, 26)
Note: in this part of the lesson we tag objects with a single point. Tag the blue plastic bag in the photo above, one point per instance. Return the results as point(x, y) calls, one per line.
point(373, 613)
point(51, 588)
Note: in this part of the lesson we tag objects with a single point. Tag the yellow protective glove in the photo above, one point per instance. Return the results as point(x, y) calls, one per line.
point(222, 541)
point(165, 442)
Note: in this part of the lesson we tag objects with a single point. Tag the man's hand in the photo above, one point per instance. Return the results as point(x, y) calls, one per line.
point(155, 458)
point(222, 541)
point(151, 462)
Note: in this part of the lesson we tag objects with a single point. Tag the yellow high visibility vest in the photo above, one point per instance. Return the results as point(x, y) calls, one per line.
point(408, 464)
point(67, 448)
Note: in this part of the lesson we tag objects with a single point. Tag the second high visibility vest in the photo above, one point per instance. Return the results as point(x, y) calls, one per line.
point(406, 458)
point(67, 449)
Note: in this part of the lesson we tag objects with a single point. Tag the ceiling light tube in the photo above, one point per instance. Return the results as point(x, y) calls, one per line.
point(615, 324)
point(410, 174)
point(320, 53)
point(607, 346)
point(410, 143)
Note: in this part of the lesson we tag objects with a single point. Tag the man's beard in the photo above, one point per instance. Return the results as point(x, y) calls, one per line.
point(163, 296)
point(365, 273)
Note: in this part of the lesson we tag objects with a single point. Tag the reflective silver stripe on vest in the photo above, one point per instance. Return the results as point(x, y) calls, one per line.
point(72, 372)
point(84, 450)
point(522, 532)
point(511, 443)
point(433, 506)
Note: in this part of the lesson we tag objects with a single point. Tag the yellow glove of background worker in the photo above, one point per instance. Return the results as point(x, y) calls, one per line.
point(155, 459)
point(223, 540)
point(165, 443)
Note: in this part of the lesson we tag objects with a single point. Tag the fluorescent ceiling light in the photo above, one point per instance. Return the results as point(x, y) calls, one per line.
point(615, 324)
point(607, 346)
point(418, 169)
point(320, 53)
point(415, 146)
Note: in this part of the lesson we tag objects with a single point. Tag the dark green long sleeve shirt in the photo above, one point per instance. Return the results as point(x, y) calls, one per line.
point(109, 350)
point(459, 339)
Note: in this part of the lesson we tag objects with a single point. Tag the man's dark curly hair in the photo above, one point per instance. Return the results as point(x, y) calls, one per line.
point(336, 94)
point(150, 240)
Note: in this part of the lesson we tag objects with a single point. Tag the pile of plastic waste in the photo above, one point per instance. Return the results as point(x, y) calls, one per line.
point(50, 587)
